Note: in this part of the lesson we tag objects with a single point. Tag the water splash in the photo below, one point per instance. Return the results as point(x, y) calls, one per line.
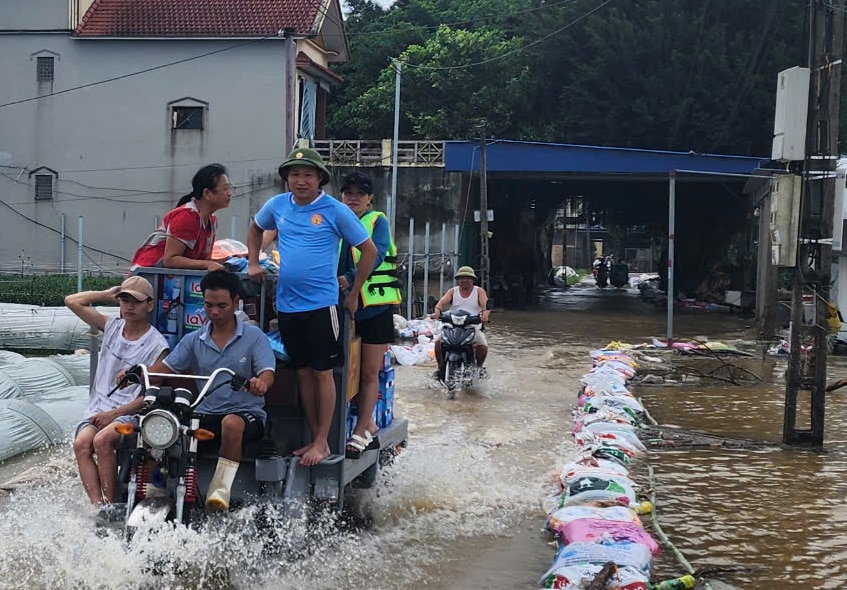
point(439, 489)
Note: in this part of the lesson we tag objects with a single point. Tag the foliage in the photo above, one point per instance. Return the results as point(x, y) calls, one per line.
point(49, 290)
point(667, 74)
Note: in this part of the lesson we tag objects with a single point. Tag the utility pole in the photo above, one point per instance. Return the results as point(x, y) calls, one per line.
point(484, 260)
point(809, 306)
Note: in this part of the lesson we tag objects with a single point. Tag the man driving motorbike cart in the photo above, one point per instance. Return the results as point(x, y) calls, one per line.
point(472, 299)
point(236, 417)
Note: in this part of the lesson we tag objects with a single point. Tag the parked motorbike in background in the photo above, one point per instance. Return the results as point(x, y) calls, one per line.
point(602, 276)
point(457, 350)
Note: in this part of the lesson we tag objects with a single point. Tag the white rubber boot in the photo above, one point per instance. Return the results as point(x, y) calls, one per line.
point(219, 487)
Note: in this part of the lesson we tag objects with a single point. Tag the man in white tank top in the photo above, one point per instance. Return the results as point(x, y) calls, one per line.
point(470, 298)
point(128, 340)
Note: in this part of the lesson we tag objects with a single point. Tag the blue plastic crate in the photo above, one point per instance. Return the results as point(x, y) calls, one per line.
point(388, 412)
point(388, 392)
point(380, 413)
point(386, 382)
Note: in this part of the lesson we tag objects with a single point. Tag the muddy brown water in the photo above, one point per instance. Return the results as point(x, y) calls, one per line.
point(461, 508)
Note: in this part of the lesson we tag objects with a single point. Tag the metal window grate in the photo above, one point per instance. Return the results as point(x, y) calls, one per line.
point(187, 118)
point(44, 69)
point(43, 187)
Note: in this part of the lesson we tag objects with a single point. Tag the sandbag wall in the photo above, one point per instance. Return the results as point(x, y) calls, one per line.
point(593, 511)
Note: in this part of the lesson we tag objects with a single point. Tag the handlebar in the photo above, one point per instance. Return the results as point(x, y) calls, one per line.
point(141, 375)
point(447, 317)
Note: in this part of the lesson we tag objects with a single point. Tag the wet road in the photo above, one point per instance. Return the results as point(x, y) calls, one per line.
point(461, 508)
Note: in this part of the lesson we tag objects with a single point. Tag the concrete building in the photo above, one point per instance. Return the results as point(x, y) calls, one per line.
point(108, 108)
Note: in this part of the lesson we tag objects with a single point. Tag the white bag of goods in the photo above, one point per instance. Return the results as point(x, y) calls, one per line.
point(587, 488)
point(578, 577)
point(622, 554)
point(589, 530)
point(569, 513)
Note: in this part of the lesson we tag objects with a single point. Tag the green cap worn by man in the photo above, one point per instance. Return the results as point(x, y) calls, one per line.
point(304, 157)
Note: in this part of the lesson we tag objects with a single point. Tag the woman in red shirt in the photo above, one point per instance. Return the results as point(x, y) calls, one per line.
point(187, 233)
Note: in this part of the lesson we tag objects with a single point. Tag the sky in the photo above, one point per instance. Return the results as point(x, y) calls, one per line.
point(383, 3)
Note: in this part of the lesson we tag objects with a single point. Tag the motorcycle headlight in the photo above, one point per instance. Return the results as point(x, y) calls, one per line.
point(459, 320)
point(159, 429)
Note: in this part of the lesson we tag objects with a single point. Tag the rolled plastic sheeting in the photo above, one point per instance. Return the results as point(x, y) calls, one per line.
point(37, 375)
point(24, 427)
point(78, 366)
point(65, 405)
point(9, 387)
point(7, 357)
point(45, 328)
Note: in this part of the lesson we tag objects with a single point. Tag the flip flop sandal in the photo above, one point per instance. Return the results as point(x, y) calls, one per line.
point(356, 445)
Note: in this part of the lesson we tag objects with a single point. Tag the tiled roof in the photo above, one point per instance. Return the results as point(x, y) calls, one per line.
point(199, 18)
point(307, 64)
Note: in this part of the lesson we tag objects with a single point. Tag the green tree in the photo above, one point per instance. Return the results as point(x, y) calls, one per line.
point(667, 74)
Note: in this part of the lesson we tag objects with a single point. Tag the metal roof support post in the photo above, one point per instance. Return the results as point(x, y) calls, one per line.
point(392, 201)
point(79, 253)
point(671, 239)
point(410, 274)
point(426, 271)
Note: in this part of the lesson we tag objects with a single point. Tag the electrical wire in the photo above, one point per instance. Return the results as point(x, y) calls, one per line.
point(511, 51)
point(695, 55)
point(411, 27)
point(122, 199)
point(136, 73)
point(158, 166)
point(316, 5)
point(75, 241)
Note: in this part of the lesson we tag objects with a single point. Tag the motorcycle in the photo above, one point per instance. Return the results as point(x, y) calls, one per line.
point(160, 474)
point(163, 471)
point(619, 275)
point(457, 350)
point(602, 276)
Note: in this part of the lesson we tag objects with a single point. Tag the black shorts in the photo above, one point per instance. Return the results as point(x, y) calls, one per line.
point(253, 426)
point(312, 338)
point(378, 329)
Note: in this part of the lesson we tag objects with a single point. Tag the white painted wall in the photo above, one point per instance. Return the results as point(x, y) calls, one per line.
point(33, 15)
point(119, 164)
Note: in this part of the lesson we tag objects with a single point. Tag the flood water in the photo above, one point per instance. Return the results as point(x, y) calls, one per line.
point(461, 507)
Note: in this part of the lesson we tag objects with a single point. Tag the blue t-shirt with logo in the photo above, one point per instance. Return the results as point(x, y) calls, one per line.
point(308, 240)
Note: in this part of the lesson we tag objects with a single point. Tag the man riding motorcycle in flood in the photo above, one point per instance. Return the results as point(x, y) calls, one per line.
point(472, 299)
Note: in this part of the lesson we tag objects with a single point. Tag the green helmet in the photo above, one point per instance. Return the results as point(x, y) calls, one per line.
point(305, 157)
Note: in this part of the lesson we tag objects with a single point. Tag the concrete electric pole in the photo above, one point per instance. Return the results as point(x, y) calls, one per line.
point(809, 309)
point(484, 260)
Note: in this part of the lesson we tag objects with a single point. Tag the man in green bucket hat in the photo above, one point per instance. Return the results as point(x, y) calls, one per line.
point(309, 225)
point(472, 299)
point(305, 157)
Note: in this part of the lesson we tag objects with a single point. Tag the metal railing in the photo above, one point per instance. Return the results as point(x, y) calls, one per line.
point(377, 152)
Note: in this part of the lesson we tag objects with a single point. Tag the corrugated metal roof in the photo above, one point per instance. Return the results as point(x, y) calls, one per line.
point(536, 157)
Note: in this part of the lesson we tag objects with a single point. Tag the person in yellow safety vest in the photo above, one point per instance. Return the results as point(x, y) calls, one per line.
point(379, 297)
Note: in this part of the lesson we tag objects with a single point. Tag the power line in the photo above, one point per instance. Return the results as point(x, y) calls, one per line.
point(317, 5)
point(123, 199)
point(137, 73)
point(694, 58)
point(56, 231)
point(513, 51)
point(157, 166)
point(411, 27)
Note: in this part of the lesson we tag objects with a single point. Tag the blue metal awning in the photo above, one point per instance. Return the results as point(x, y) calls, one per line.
point(563, 158)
